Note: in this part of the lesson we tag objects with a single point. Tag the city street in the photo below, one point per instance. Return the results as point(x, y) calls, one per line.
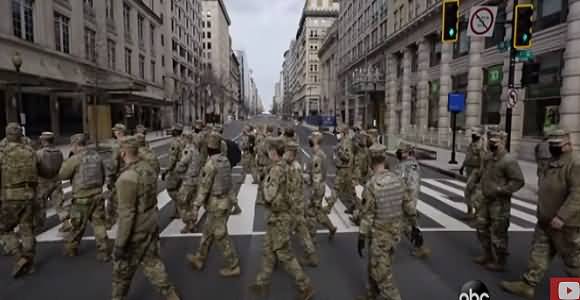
point(341, 274)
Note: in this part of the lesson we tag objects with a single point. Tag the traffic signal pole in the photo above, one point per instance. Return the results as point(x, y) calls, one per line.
point(511, 80)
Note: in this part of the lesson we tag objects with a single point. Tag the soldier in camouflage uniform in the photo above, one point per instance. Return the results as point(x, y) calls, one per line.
point(146, 154)
point(137, 242)
point(472, 166)
point(19, 180)
point(263, 162)
point(316, 177)
point(558, 228)
point(296, 194)
point(381, 222)
point(201, 134)
point(141, 129)
point(115, 167)
point(214, 193)
point(277, 245)
point(500, 177)
point(86, 172)
point(172, 179)
point(343, 158)
point(361, 159)
point(49, 160)
point(409, 171)
point(542, 156)
point(247, 145)
point(189, 168)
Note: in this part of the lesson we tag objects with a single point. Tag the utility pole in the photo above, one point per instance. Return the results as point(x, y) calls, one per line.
point(511, 79)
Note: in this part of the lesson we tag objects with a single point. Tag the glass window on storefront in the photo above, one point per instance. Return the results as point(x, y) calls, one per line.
point(433, 116)
point(550, 13)
point(542, 101)
point(491, 95)
point(435, 54)
point(459, 85)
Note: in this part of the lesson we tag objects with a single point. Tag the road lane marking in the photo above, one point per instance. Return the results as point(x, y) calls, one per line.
point(337, 215)
point(514, 200)
point(514, 212)
point(305, 153)
point(244, 222)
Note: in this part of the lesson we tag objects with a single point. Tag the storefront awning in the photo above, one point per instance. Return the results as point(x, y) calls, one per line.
point(137, 99)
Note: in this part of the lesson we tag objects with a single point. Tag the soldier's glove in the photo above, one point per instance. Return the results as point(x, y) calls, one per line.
point(119, 253)
point(416, 237)
point(361, 244)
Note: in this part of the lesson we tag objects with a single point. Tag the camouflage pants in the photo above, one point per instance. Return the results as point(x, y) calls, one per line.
point(315, 214)
point(82, 212)
point(173, 183)
point(304, 234)
point(18, 213)
point(111, 209)
point(493, 220)
point(146, 255)
point(470, 189)
point(410, 215)
point(546, 244)
point(277, 246)
point(249, 166)
point(185, 204)
point(262, 173)
point(380, 264)
point(53, 191)
point(344, 187)
point(216, 229)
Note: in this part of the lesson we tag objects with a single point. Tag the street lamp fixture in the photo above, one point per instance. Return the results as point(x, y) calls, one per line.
point(17, 62)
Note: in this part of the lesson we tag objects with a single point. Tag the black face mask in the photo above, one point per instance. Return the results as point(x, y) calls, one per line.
point(311, 144)
point(492, 147)
point(197, 130)
point(475, 138)
point(556, 151)
point(399, 155)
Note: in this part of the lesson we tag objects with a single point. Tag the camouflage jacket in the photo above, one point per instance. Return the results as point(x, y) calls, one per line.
point(316, 168)
point(361, 164)
point(343, 153)
point(200, 139)
point(146, 154)
point(207, 181)
point(474, 155)
point(409, 171)
point(262, 158)
point(183, 166)
point(559, 192)
point(296, 187)
point(17, 192)
point(175, 151)
point(69, 170)
point(276, 189)
point(501, 176)
point(116, 164)
point(245, 142)
point(380, 208)
point(138, 213)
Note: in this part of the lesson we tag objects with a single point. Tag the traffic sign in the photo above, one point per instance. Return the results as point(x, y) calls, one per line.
point(512, 98)
point(482, 21)
point(525, 55)
point(456, 102)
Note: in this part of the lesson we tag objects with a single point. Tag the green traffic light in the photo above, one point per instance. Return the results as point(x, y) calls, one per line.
point(451, 32)
point(525, 37)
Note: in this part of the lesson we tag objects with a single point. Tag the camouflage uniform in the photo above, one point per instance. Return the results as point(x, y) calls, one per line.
point(362, 159)
point(316, 178)
point(296, 194)
point(381, 220)
point(172, 179)
point(501, 176)
point(146, 154)
point(343, 158)
point(409, 171)
point(50, 187)
point(19, 180)
point(86, 171)
point(263, 162)
point(201, 133)
point(277, 245)
point(542, 155)
point(137, 242)
point(558, 197)
point(189, 170)
point(472, 165)
point(115, 168)
point(248, 154)
point(214, 193)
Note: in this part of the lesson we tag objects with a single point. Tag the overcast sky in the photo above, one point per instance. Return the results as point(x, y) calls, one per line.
point(264, 29)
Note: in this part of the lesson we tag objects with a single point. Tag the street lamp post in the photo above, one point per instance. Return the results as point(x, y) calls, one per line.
point(17, 62)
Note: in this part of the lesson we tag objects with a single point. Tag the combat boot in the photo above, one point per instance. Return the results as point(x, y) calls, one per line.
point(518, 288)
point(196, 261)
point(331, 233)
point(259, 289)
point(230, 272)
point(103, 257)
point(65, 227)
point(188, 228)
point(172, 295)
point(311, 260)
point(237, 210)
point(70, 251)
point(22, 267)
point(483, 259)
point(421, 252)
point(306, 294)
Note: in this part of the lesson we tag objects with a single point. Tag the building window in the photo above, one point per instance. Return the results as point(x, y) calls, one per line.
point(400, 66)
point(22, 22)
point(435, 55)
point(152, 37)
point(433, 116)
point(110, 10)
point(62, 33)
point(127, 20)
point(208, 46)
point(414, 59)
point(413, 105)
point(111, 54)
point(550, 13)
point(142, 66)
point(128, 61)
point(141, 29)
point(461, 48)
point(491, 95)
point(209, 34)
point(90, 46)
point(208, 24)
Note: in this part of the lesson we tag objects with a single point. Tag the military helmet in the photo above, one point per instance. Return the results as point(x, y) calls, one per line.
point(188, 137)
point(140, 139)
point(316, 137)
point(404, 147)
point(269, 129)
point(78, 139)
point(120, 127)
point(276, 143)
point(141, 129)
point(214, 140)
point(558, 136)
point(177, 127)
point(476, 131)
point(496, 136)
point(292, 146)
point(373, 132)
point(289, 132)
point(129, 142)
point(46, 135)
point(13, 129)
point(378, 150)
point(199, 123)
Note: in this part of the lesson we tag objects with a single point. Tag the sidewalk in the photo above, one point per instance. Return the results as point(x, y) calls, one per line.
point(151, 137)
point(441, 164)
point(313, 128)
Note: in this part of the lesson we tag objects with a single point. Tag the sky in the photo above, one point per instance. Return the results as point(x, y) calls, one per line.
point(264, 29)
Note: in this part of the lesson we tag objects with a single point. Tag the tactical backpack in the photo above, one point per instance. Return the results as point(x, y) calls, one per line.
point(252, 143)
point(90, 173)
point(234, 154)
point(18, 166)
point(49, 162)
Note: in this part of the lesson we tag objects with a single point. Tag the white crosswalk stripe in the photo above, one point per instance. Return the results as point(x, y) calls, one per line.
point(438, 204)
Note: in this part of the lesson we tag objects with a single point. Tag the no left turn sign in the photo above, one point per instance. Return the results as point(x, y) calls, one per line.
point(512, 98)
point(482, 21)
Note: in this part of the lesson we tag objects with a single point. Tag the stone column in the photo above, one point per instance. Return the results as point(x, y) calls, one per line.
point(474, 85)
point(346, 110)
point(392, 93)
point(570, 105)
point(54, 115)
point(406, 86)
point(423, 87)
point(444, 89)
point(356, 120)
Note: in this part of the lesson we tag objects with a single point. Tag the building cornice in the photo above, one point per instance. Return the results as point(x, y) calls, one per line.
point(224, 10)
point(149, 11)
point(314, 13)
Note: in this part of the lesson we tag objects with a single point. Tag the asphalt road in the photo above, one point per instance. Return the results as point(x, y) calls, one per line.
point(341, 274)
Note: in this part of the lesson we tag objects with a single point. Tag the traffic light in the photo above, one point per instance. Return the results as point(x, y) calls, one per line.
point(523, 26)
point(530, 74)
point(450, 21)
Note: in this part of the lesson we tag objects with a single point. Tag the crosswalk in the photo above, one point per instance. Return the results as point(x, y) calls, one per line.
point(440, 206)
